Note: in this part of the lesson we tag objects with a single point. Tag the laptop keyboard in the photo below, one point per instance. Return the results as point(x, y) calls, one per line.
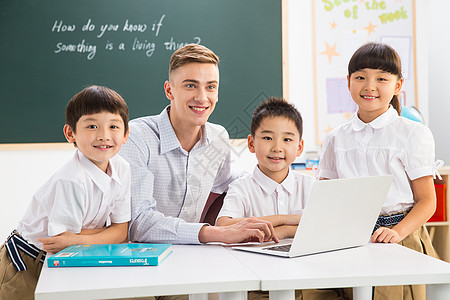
point(284, 248)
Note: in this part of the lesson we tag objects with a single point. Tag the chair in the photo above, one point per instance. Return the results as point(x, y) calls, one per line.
point(212, 208)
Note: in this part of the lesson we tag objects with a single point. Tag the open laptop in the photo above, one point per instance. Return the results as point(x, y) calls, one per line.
point(339, 214)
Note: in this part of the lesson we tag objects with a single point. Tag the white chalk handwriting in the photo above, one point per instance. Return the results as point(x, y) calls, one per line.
point(110, 37)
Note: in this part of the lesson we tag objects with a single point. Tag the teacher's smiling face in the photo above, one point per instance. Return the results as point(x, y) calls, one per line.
point(193, 93)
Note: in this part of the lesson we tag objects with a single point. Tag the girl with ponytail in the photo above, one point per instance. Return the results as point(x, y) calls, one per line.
point(378, 141)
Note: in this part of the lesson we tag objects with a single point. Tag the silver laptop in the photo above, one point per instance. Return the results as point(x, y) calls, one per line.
point(339, 214)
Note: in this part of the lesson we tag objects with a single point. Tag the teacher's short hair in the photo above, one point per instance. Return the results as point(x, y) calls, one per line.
point(192, 53)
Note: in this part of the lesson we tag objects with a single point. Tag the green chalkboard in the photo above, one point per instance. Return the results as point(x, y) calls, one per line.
point(51, 49)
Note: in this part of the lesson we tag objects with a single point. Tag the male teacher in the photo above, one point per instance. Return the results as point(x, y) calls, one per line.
point(177, 158)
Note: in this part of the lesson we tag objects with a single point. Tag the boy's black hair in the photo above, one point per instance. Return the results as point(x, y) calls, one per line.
point(377, 56)
point(276, 107)
point(95, 99)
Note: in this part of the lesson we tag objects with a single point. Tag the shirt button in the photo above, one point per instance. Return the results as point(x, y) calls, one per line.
point(281, 202)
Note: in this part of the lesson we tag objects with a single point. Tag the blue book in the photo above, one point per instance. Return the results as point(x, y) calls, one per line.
point(131, 254)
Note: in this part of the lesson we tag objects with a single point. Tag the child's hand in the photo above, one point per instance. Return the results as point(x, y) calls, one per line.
point(385, 235)
point(59, 242)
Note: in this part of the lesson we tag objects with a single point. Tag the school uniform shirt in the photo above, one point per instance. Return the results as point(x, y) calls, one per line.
point(390, 144)
point(169, 185)
point(257, 195)
point(78, 196)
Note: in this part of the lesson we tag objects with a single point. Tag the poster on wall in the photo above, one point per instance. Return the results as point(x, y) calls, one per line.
point(340, 28)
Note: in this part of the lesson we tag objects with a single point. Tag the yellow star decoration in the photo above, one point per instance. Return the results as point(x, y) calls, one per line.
point(347, 115)
point(370, 28)
point(330, 51)
point(328, 129)
point(333, 25)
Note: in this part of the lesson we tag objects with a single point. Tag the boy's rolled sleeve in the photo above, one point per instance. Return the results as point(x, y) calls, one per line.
point(68, 210)
point(122, 204)
point(233, 203)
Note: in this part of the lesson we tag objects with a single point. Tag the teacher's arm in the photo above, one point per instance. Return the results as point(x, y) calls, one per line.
point(147, 223)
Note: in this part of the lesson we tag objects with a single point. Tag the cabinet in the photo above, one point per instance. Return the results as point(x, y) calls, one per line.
point(440, 231)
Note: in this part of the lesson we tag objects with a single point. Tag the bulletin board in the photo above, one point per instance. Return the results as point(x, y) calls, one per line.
point(339, 29)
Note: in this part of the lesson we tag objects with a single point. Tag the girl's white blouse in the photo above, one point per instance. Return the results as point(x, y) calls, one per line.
point(390, 144)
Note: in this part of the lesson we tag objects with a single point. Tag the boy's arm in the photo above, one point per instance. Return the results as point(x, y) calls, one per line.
point(114, 234)
point(285, 231)
point(281, 231)
point(280, 220)
point(226, 221)
point(92, 231)
point(236, 206)
point(276, 220)
point(247, 230)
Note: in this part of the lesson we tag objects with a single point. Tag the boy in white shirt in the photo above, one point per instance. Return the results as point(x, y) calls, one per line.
point(86, 202)
point(272, 193)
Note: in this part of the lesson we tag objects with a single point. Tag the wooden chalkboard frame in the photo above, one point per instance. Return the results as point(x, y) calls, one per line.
point(285, 89)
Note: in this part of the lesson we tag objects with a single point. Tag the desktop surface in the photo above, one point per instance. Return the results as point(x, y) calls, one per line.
point(201, 269)
point(190, 269)
point(353, 267)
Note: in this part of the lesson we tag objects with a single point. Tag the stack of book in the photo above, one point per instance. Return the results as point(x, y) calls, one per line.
point(131, 254)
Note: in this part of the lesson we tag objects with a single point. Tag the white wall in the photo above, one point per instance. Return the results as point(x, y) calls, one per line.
point(422, 32)
point(301, 92)
point(23, 172)
point(439, 80)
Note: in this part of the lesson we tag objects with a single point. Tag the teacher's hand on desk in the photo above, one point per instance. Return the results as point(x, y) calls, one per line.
point(247, 230)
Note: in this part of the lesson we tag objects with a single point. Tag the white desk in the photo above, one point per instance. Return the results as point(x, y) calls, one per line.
point(190, 269)
point(360, 268)
point(197, 270)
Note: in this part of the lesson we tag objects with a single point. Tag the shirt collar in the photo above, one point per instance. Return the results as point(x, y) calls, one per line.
point(204, 140)
point(100, 178)
point(382, 121)
point(168, 138)
point(113, 167)
point(269, 186)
